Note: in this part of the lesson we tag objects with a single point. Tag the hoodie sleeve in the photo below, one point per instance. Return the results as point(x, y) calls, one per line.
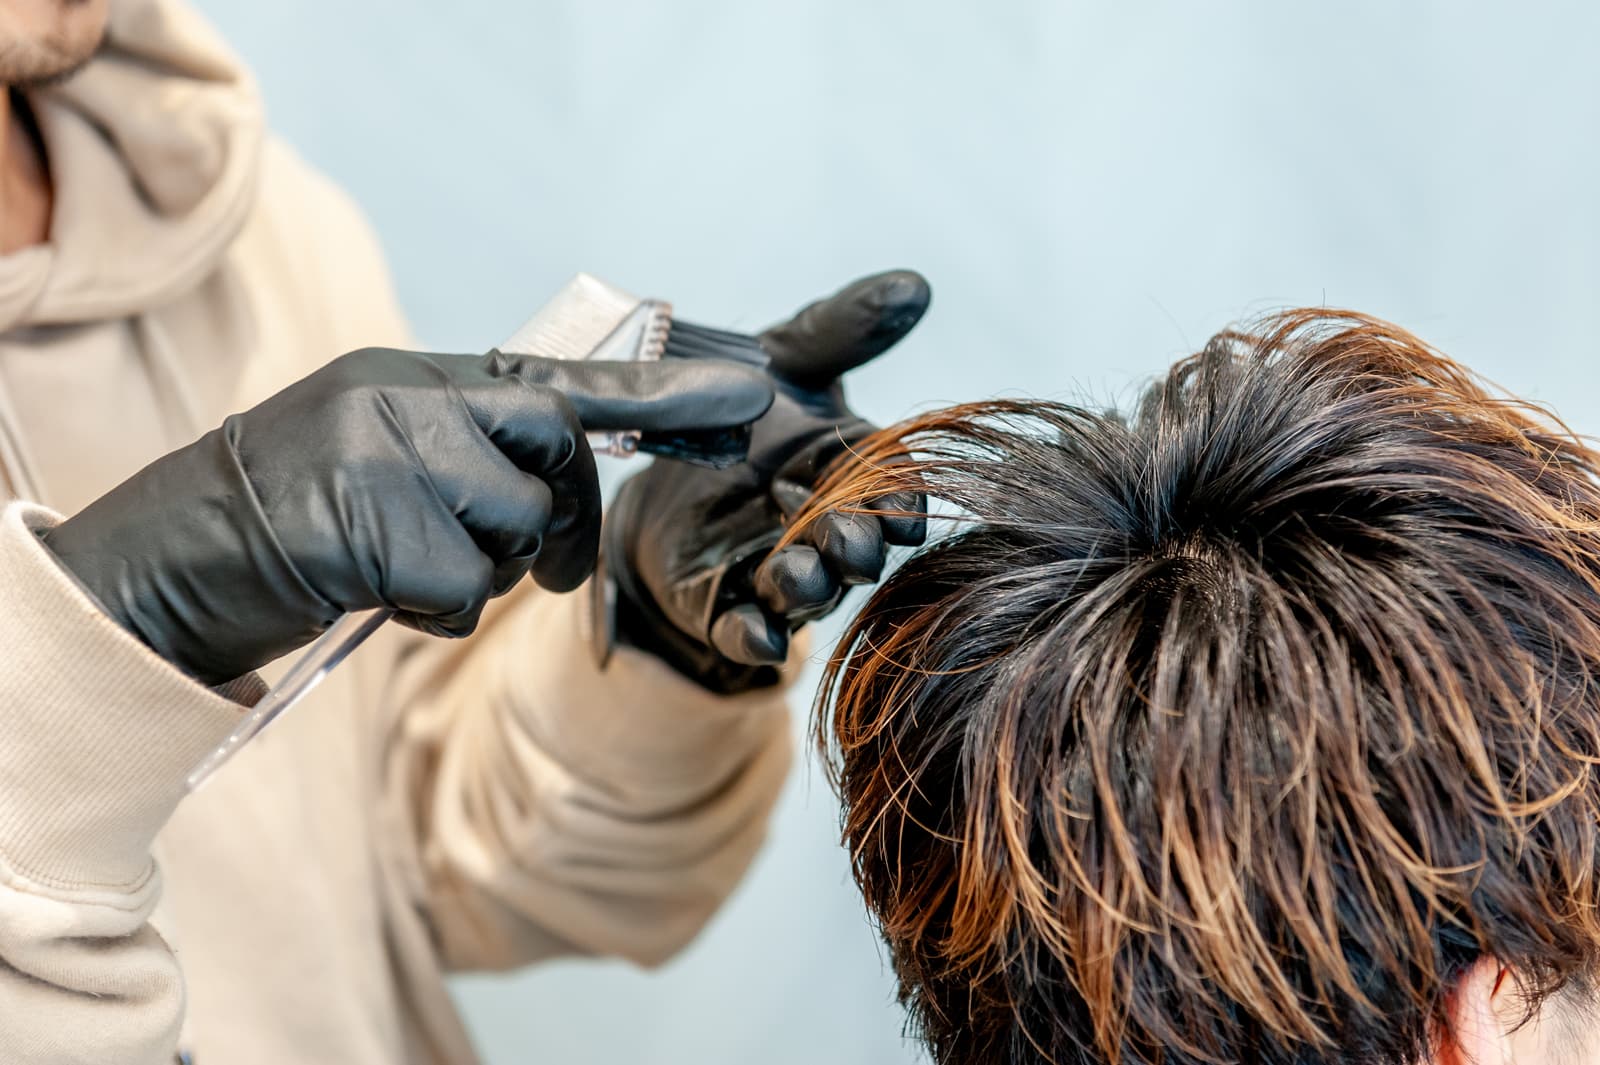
point(96, 737)
point(533, 804)
point(551, 807)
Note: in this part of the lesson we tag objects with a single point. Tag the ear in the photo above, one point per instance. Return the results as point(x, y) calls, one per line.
point(1482, 1015)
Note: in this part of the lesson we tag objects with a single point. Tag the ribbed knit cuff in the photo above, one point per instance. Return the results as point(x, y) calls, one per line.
point(97, 733)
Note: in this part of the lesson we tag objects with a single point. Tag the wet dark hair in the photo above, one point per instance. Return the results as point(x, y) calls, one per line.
point(1233, 729)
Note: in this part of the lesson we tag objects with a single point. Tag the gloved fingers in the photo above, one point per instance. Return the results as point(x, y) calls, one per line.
point(796, 480)
point(791, 496)
point(511, 525)
point(508, 572)
point(437, 579)
point(903, 517)
point(796, 584)
point(852, 545)
point(835, 335)
point(538, 431)
point(461, 476)
point(675, 394)
point(506, 512)
point(902, 514)
point(572, 540)
point(450, 627)
point(751, 636)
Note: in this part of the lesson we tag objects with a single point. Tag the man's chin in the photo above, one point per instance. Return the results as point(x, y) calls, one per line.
point(45, 51)
point(23, 68)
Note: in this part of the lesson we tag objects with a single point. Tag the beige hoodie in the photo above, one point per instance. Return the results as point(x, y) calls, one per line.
point(434, 805)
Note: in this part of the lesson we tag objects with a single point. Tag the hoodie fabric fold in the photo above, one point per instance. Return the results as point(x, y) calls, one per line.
point(155, 151)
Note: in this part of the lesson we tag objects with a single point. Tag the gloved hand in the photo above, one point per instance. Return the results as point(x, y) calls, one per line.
point(690, 550)
point(425, 483)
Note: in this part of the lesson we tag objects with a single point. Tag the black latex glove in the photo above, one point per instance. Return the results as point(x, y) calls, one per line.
point(690, 550)
point(425, 483)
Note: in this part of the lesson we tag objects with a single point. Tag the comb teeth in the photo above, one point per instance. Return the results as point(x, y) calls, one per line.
point(589, 319)
point(576, 321)
point(641, 336)
point(656, 330)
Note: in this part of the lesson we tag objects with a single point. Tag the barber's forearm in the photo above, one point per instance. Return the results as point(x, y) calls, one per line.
point(613, 809)
point(97, 733)
point(637, 722)
point(96, 737)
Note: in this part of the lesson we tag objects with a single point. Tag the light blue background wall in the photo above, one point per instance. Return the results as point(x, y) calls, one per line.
point(1093, 188)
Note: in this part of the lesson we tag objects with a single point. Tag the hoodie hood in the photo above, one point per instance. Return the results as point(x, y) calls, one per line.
point(154, 149)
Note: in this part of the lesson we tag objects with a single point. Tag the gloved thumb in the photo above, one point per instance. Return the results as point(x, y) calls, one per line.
point(651, 396)
point(835, 335)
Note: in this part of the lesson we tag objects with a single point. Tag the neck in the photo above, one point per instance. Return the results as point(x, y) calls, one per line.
point(26, 196)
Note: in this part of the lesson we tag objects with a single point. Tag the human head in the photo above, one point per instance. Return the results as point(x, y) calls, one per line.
point(1257, 725)
point(42, 40)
